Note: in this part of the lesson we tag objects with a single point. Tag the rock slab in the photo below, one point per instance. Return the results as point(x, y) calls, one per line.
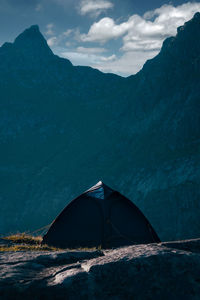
point(155, 271)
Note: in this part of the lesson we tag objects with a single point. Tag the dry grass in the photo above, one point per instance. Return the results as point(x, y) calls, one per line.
point(23, 238)
point(15, 248)
point(25, 242)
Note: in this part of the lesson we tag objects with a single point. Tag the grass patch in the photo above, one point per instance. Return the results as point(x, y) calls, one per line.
point(15, 248)
point(23, 238)
point(26, 242)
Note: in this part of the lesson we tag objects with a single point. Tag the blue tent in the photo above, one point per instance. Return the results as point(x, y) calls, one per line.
point(100, 217)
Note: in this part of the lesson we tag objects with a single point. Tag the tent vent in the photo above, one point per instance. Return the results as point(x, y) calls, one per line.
point(98, 193)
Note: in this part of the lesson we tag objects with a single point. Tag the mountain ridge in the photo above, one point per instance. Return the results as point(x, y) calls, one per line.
point(186, 30)
point(33, 33)
point(64, 127)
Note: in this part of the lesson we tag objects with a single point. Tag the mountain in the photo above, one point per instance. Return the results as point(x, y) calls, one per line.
point(63, 128)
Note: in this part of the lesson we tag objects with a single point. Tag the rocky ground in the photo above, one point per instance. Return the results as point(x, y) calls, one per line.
point(155, 271)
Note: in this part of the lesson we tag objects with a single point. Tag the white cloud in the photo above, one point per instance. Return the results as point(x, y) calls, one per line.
point(109, 58)
point(142, 36)
point(83, 59)
point(94, 7)
point(68, 32)
point(129, 63)
point(68, 44)
point(105, 30)
point(49, 29)
point(150, 30)
point(88, 56)
point(60, 39)
point(52, 41)
point(153, 26)
point(90, 50)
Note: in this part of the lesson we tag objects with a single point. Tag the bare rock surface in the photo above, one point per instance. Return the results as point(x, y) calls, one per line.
point(155, 271)
point(4, 242)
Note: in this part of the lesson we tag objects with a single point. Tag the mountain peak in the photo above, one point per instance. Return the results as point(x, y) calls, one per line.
point(31, 40)
point(191, 24)
point(33, 28)
point(31, 32)
point(182, 47)
point(197, 15)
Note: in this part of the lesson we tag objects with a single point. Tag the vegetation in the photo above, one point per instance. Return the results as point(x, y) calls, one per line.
point(14, 248)
point(23, 238)
point(25, 242)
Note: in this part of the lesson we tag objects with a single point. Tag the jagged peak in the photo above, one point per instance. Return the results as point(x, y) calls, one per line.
point(184, 32)
point(32, 31)
point(32, 45)
point(197, 15)
point(32, 39)
point(179, 46)
point(189, 24)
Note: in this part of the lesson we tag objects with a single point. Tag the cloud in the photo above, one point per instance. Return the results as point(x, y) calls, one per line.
point(60, 39)
point(88, 56)
point(105, 30)
point(109, 58)
point(68, 32)
point(52, 41)
point(83, 59)
point(150, 30)
point(141, 36)
point(153, 27)
point(49, 29)
point(90, 50)
point(94, 7)
point(129, 63)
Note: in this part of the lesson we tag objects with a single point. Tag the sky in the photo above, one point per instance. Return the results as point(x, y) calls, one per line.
point(115, 36)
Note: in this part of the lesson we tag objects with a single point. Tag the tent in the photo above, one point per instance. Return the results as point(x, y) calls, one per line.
point(100, 217)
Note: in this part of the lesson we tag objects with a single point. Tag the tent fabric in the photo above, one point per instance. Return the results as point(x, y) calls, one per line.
point(100, 217)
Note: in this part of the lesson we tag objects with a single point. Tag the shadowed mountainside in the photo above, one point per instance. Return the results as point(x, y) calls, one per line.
point(63, 128)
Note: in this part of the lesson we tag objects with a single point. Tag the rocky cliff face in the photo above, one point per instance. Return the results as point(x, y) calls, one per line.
point(154, 271)
point(63, 128)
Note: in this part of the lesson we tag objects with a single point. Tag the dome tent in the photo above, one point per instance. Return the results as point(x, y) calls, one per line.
point(100, 217)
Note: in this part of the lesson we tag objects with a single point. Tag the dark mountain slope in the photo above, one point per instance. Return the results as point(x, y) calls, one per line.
point(64, 128)
point(164, 136)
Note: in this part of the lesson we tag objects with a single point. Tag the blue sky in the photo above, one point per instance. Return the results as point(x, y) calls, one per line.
point(115, 36)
